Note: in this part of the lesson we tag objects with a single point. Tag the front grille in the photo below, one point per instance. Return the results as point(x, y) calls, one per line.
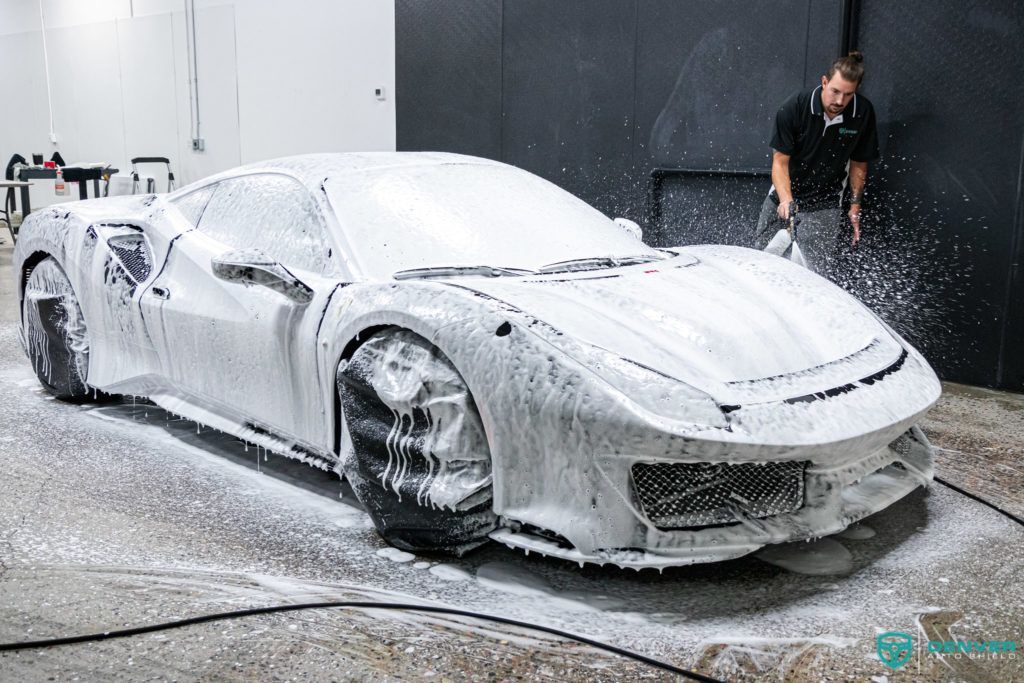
point(133, 253)
point(901, 446)
point(680, 495)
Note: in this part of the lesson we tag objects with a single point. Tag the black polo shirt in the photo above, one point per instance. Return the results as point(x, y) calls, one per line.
point(818, 153)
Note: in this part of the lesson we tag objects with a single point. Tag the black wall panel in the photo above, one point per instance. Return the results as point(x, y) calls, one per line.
point(823, 39)
point(710, 78)
point(448, 76)
point(596, 95)
point(568, 92)
point(1011, 358)
point(707, 209)
point(944, 200)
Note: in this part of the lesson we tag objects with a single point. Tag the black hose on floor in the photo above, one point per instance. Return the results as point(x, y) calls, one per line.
point(138, 630)
point(981, 500)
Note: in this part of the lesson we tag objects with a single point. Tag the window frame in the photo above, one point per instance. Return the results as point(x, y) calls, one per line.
point(333, 261)
point(174, 201)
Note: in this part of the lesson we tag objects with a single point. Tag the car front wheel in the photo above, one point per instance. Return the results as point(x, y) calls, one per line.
point(420, 463)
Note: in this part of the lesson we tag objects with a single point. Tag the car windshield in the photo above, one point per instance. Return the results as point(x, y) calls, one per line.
point(469, 215)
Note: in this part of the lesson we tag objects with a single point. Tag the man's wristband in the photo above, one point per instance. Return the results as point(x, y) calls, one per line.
point(856, 198)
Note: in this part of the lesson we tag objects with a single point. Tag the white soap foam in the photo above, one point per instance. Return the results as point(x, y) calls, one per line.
point(510, 578)
point(395, 555)
point(857, 532)
point(823, 557)
point(450, 572)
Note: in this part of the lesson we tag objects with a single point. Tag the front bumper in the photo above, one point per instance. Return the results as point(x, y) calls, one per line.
point(835, 496)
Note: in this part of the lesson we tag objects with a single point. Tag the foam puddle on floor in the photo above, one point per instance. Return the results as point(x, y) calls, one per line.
point(509, 578)
point(824, 557)
point(396, 555)
point(857, 532)
point(449, 572)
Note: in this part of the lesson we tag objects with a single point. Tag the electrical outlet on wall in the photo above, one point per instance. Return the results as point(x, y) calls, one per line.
point(380, 93)
point(198, 145)
point(53, 138)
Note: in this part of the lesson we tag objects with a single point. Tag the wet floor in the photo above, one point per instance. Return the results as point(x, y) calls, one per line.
point(119, 515)
point(980, 434)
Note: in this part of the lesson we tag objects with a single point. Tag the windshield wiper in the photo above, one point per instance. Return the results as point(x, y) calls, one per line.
point(597, 262)
point(454, 271)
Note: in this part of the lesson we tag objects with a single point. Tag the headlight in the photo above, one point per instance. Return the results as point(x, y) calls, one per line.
point(656, 392)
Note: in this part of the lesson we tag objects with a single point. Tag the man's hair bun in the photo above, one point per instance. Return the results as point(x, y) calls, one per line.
point(850, 67)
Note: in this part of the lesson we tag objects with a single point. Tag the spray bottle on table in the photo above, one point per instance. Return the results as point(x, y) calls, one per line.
point(60, 188)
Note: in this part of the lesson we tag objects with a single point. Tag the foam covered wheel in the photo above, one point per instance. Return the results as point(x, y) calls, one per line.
point(56, 340)
point(420, 463)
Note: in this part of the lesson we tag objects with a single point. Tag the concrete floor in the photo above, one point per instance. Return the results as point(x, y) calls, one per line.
point(119, 515)
point(980, 434)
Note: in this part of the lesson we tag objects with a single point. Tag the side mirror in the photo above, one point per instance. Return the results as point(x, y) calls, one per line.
point(253, 267)
point(632, 227)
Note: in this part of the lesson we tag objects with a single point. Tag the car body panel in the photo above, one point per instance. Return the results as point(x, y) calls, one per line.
point(248, 349)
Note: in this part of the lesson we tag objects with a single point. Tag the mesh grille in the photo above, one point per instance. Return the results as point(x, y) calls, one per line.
point(676, 495)
point(134, 255)
point(901, 446)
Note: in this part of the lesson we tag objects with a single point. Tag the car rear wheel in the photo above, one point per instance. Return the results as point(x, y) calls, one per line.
point(56, 340)
point(420, 463)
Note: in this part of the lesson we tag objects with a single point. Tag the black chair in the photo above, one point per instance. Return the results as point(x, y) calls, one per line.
point(10, 205)
point(151, 183)
point(9, 175)
point(5, 214)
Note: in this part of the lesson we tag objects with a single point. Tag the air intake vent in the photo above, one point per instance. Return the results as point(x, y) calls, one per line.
point(133, 253)
point(902, 446)
point(682, 495)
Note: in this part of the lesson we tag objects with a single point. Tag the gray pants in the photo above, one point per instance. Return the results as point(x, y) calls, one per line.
point(817, 234)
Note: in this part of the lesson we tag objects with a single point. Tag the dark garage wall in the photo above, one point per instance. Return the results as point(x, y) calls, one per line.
point(596, 95)
point(568, 93)
point(448, 84)
point(952, 134)
point(709, 80)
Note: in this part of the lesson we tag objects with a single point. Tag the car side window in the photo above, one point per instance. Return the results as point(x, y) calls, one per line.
point(272, 213)
point(191, 205)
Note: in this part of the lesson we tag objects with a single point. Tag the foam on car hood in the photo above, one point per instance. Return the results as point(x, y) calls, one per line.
point(735, 327)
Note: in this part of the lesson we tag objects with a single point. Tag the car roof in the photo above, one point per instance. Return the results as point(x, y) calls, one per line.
point(313, 169)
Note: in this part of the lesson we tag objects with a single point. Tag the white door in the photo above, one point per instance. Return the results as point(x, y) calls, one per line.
point(244, 351)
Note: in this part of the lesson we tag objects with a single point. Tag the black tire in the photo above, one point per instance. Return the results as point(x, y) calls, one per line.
point(56, 339)
point(420, 463)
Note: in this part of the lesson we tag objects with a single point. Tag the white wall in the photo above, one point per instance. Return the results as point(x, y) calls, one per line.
point(273, 79)
point(308, 83)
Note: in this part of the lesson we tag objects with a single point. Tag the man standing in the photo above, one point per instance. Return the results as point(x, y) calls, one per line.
point(823, 141)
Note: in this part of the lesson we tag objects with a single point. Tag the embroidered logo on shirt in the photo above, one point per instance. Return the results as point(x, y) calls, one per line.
point(847, 131)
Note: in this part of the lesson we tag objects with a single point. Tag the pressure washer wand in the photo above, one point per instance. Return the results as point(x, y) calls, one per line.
point(795, 255)
point(785, 240)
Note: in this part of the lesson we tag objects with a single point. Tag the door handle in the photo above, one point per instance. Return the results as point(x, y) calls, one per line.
point(160, 293)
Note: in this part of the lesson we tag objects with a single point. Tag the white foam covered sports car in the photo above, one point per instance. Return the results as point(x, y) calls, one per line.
point(483, 356)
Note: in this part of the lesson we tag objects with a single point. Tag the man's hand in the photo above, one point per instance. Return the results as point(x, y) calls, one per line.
point(786, 209)
point(855, 222)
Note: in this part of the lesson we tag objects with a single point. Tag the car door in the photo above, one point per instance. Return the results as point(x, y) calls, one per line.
point(239, 350)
